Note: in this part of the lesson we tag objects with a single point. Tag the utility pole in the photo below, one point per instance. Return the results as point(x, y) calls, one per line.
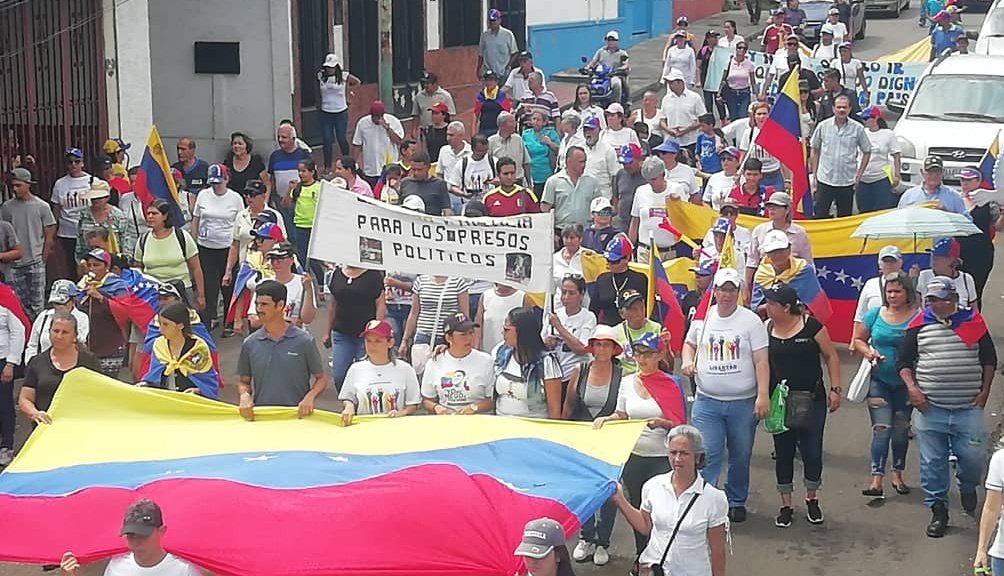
point(385, 12)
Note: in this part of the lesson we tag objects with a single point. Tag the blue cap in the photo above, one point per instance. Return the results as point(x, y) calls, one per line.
point(946, 247)
point(668, 146)
point(730, 151)
point(494, 14)
point(870, 112)
point(101, 256)
point(217, 173)
point(721, 226)
point(591, 122)
point(618, 248)
point(706, 268)
point(969, 173)
point(75, 152)
point(648, 340)
point(628, 153)
point(940, 287)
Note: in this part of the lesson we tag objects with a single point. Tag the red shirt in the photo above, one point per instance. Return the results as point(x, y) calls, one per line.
point(750, 204)
point(519, 200)
point(773, 37)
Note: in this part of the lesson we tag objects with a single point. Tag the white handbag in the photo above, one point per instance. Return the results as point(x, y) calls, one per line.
point(857, 390)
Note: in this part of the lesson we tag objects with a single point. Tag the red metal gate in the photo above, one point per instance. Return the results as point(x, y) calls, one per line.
point(52, 89)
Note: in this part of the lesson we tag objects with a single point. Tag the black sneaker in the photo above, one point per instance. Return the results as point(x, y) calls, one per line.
point(813, 512)
point(939, 520)
point(969, 502)
point(783, 519)
point(737, 514)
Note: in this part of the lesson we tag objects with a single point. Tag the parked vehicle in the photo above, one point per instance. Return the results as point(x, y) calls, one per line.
point(815, 12)
point(887, 7)
point(991, 38)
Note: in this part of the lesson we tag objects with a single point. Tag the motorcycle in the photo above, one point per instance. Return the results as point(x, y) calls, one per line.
point(600, 84)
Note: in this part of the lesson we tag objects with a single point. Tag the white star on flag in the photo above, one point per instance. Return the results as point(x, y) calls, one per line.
point(823, 272)
point(857, 282)
point(262, 458)
point(840, 276)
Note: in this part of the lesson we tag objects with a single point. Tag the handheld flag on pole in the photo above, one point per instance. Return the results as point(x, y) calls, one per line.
point(781, 136)
point(988, 162)
point(154, 180)
point(670, 315)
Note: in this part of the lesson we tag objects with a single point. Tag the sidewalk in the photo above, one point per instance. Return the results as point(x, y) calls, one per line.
point(646, 58)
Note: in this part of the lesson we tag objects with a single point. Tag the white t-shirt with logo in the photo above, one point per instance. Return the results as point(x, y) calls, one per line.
point(725, 369)
point(718, 189)
point(649, 208)
point(171, 565)
point(475, 177)
point(458, 382)
point(217, 214)
point(380, 389)
point(995, 481)
point(68, 192)
point(581, 325)
point(294, 297)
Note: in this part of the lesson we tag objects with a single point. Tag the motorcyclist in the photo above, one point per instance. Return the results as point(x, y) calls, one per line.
point(616, 59)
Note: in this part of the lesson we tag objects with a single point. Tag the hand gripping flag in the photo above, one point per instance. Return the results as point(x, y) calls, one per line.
point(270, 496)
point(131, 297)
point(781, 136)
point(154, 180)
point(801, 276)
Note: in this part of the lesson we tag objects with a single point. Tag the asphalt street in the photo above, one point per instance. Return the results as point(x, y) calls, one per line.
point(858, 536)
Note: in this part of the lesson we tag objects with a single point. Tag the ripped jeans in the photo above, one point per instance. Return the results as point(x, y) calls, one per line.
point(890, 416)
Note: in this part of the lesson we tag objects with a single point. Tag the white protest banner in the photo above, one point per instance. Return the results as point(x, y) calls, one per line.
point(359, 231)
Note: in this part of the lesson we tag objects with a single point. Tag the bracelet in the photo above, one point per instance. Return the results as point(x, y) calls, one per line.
point(836, 389)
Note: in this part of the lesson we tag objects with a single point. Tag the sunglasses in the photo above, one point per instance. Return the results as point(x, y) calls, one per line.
point(791, 43)
point(728, 212)
point(740, 48)
point(605, 212)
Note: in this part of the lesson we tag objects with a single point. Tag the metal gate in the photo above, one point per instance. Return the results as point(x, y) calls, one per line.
point(52, 90)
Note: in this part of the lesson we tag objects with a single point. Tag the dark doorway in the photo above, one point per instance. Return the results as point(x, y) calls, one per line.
point(312, 26)
point(513, 18)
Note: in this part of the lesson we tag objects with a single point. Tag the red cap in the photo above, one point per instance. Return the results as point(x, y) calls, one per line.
point(439, 107)
point(377, 108)
point(379, 327)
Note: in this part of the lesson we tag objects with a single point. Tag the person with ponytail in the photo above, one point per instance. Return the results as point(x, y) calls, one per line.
point(304, 200)
point(181, 361)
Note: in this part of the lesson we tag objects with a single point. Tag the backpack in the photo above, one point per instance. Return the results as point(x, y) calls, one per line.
point(179, 234)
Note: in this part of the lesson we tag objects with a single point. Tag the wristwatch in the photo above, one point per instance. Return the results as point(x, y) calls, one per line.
point(836, 389)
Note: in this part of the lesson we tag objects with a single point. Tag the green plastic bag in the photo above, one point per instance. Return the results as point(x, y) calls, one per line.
point(774, 423)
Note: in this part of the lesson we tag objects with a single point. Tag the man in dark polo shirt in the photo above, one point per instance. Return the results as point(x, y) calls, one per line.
point(278, 361)
point(433, 191)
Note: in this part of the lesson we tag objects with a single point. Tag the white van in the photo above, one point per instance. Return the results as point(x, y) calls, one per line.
point(991, 39)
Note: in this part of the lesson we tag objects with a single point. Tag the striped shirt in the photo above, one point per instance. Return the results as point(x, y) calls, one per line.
point(949, 373)
point(838, 148)
point(546, 103)
point(433, 296)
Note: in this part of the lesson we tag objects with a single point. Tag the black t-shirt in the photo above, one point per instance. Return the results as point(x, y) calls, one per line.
point(252, 172)
point(355, 300)
point(797, 358)
point(603, 299)
point(42, 375)
point(435, 139)
point(433, 192)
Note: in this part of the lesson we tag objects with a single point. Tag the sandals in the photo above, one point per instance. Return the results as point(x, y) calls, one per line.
point(901, 489)
point(873, 492)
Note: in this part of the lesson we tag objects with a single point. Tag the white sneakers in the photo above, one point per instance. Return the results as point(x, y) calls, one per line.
point(583, 550)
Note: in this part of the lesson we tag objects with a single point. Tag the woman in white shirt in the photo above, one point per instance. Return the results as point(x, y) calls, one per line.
point(852, 71)
point(584, 107)
point(527, 376)
point(459, 380)
point(881, 175)
point(333, 81)
point(493, 309)
point(213, 218)
point(379, 383)
point(683, 502)
point(570, 326)
point(682, 57)
point(992, 556)
point(568, 260)
point(616, 134)
point(62, 301)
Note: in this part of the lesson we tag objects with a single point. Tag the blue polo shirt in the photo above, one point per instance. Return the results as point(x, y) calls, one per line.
point(943, 39)
point(948, 198)
point(281, 371)
point(707, 151)
point(195, 177)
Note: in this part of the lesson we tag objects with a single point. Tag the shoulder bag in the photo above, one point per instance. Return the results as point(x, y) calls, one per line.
point(657, 569)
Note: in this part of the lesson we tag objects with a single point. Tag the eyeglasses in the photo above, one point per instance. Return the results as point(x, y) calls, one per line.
point(740, 48)
point(791, 43)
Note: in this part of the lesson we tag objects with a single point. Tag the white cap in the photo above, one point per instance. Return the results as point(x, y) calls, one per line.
point(599, 203)
point(331, 60)
point(615, 108)
point(728, 276)
point(890, 252)
point(674, 74)
point(413, 202)
point(612, 35)
point(775, 240)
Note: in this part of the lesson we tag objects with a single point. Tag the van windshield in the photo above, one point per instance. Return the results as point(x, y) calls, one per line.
point(959, 99)
point(994, 25)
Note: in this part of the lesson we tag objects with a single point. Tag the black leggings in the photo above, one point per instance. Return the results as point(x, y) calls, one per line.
point(214, 265)
point(7, 415)
point(637, 471)
point(69, 246)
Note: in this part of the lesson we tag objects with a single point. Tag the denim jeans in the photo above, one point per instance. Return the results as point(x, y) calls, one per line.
point(302, 238)
point(996, 566)
point(889, 410)
point(397, 316)
point(738, 103)
point(940, 431)
point(334, 125)
point(872, 196)
point(345, 350)
point(732, 425)
point(809, 442)
point(597, 528)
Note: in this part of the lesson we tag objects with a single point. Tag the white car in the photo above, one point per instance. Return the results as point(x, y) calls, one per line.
point(991, 39)
point(954, 113)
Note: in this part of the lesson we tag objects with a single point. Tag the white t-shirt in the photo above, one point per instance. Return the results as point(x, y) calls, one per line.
point(514, 396)
point(476, 177)
point(652, 441)
point(736, 130)
point(380, 389)
point(839, 30)
point(294, 297)
point(718, 188)
point(68, 192)
point(217, 214)
point(686, 175)
point(884, 145)
point(496, 308)
point(652, 123)
point(870, 297)
point(333, 93)
point(171, 565)
point(377, 148)
point(725, 369)
point(995, 481)
point(618, 138)
point(649, 207)
point(689, 555)
point(458, 382)
point(848, 72)
point(828, 53)
point(964, 285)
point(581, 325)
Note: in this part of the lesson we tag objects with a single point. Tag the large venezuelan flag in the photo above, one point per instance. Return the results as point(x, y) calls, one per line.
point(843, 264)
point(280, 495)
point(781, 136)
point(154, 180)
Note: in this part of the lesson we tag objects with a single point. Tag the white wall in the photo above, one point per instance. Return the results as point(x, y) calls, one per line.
point(130, 90)
point(561, 11)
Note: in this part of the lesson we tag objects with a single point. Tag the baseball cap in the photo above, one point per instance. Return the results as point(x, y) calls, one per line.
point(101, 256)
point(941, 15)
point(871, 112)
point(674, 75)
point(427, 77)
point(600, 203)
point(494, 15)
point(721, 226)
point(217, 173)
point(604, 332)
point(969, 173)
point(730, 151)
point(280, 251)
point(331, 60)
point(682, 20)
point(265, 217)
point(618, 248)
point(792, 37)
point(890, 252)
point(826, 30)
point(779, 199)
point(612, 35)
point(489, 75)
point(706, 268)
point(525, 55)
point(946, 247)
point(381, 328)
point(105, 163)
point(113, 145)
point(440, 107)
point(846, 45)
point(933, 163)
point(142, 519)
point(254, 188)
point(459, 322)
point(940, 287)
point(413, 202)
point(270, 230)
point(779, 12)
point(166, 289)
point(833, 11)
point(649, 341)
point(668, 147)
point(377, 108)
point(22, 175)
point(75, 153)
point(629, 297)
point(540, 536)
point(62, 291)
point(680, 34)
point(727, 202)
point(615, 108)
point(727, 276)
point(781, 294)
point(775, 240)
point(99, 189)
point(590, 123)
point(629, 152)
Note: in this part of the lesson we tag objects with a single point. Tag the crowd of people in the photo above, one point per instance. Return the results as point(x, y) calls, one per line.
point(231, 258)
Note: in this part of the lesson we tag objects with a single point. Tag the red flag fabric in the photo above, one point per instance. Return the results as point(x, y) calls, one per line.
point(670, 314)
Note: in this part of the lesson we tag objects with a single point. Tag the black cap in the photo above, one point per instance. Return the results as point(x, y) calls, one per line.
point(281, 250)
point(781, 294)
point(168, 289)
point(266, 217)
point(933, 163)
point(254, 188)
point(489, 74)
point(142, 519)
point(105, 163)
point(427, 77)
point(459, 322)
point(525, 55)
point(629, 297)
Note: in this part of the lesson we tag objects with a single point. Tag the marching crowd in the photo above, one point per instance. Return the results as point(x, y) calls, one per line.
point(230, 257)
